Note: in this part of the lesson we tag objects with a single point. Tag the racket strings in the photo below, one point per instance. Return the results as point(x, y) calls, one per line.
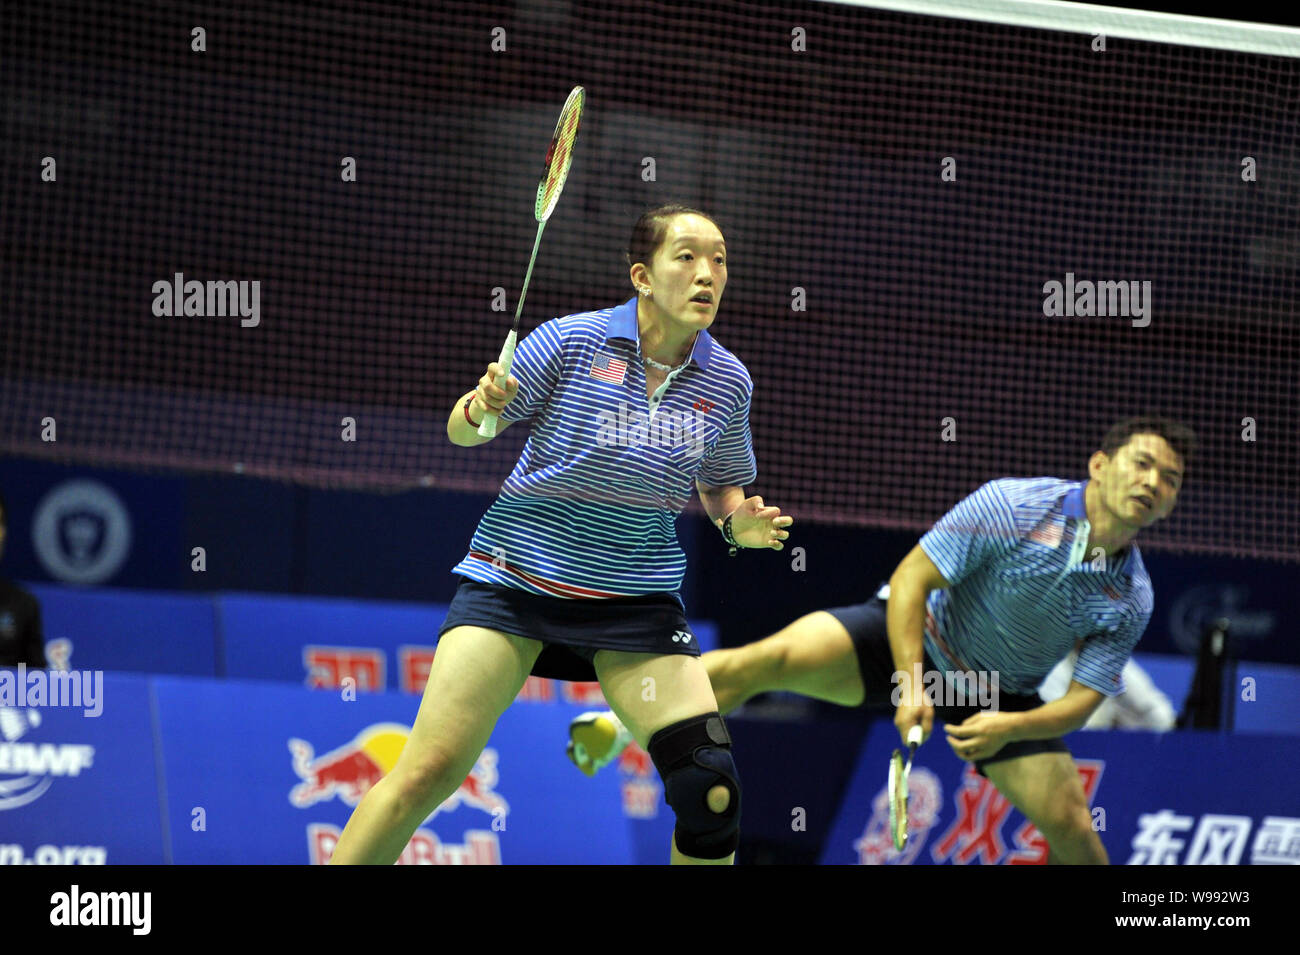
point(560, 155)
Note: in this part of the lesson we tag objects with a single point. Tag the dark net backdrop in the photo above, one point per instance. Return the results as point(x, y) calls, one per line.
point(816, 132)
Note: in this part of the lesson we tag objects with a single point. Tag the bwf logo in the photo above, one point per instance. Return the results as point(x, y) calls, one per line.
point(1086, 299)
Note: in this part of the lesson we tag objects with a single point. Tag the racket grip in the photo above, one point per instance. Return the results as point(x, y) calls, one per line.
point(488, 428)
point(914, 735)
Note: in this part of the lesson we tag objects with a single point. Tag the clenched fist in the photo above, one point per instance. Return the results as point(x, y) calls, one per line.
point(489, 398)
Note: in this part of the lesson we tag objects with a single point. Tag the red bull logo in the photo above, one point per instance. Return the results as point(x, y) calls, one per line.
point(349, 771)
point(425, 848)
point(478, 791)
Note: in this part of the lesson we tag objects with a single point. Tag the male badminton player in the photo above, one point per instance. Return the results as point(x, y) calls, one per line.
point(573, 571)
point(1007, 582)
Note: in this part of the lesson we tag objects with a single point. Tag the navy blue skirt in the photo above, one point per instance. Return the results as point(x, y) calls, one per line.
point(573, 630)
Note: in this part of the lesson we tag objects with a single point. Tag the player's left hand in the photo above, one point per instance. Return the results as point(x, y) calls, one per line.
point(981, 735)
point(754, 525)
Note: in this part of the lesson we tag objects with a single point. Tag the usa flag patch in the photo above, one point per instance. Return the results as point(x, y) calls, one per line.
point(609, 369)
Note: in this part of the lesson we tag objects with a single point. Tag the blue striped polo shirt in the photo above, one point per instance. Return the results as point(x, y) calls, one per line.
point(590, 509)
point(1024, 590)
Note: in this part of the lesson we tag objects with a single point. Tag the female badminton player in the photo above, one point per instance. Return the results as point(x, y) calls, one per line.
point(573, 572)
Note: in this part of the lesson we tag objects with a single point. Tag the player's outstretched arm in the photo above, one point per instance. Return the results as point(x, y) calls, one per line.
point(462, 424)
point(909, 587)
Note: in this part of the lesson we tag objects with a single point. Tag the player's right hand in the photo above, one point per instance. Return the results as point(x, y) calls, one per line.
point(491, 398)
point(905, 717)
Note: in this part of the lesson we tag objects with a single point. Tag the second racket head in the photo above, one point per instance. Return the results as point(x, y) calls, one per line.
point(897, 801)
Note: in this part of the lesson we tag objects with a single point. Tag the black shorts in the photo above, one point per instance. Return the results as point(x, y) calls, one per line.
point(865, 623)
point(573, 630)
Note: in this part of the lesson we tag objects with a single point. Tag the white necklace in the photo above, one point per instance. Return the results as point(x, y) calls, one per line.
point(662, 367)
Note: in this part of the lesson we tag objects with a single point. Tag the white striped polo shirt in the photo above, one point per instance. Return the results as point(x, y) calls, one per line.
point(590, 509)
point(1024, 590)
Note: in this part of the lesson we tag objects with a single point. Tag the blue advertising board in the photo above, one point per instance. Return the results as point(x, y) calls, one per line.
point(1178, 798)
point(318, 641)
point(194, 770)
point(200, 771)
point(262, 773)
point(79, 786)
point(135, 631)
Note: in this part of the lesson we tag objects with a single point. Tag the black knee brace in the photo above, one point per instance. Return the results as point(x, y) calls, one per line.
point(692, 757)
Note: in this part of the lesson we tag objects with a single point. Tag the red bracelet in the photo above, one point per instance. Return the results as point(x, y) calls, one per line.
point(469, 401)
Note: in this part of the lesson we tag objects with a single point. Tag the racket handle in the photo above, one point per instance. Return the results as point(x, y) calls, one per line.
point(914, 735)
point(488, 428)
